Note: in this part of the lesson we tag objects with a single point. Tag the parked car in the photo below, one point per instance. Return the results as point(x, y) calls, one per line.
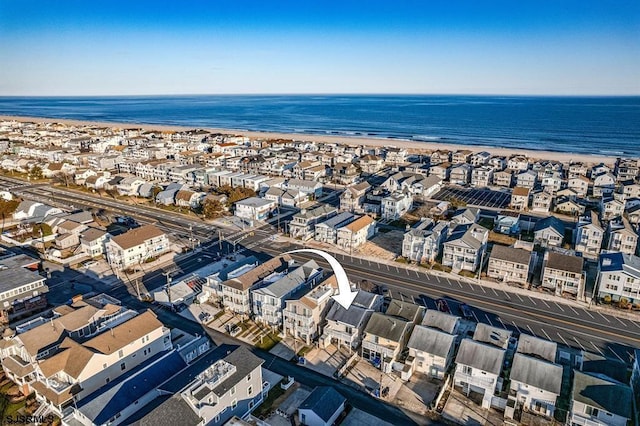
point(466, 311)
point(443, 306)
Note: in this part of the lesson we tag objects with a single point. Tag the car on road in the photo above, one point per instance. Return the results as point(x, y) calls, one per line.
point(443, 306)
point(466, 311)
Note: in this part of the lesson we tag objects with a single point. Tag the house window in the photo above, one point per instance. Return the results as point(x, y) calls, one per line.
point(123, 366)
point(249, 390)
point(120, 353)
point(590, 411)
point(467, 370)
point(234, 404)
point(249, 377)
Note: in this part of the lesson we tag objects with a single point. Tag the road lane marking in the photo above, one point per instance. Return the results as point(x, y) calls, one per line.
point(574, 311)
point(449, 281)
point(558, 305)
point(589, 313)
point(474, 315)
point(574, 338)
point(605, 318)
point(387, 267)
point(495, 292)
point(532, 301)
point(417, 275)
point(620, 321)
point(516, 326)
point(597, 348)
point(546, 304)
point(529, 327)
point(521, 299)
point(616, 354)
point(506, 293)
point(565, 342)
point(482, 288)
point(545, 333)
point(503, 326)
point(459, 283)
point(488, 319)
point(437, 278)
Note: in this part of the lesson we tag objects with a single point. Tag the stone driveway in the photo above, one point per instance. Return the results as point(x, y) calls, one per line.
point(464, 411)
point(328, 360)
point(418, 393)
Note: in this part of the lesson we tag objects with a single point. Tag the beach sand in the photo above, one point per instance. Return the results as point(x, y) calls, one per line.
point(412, 146)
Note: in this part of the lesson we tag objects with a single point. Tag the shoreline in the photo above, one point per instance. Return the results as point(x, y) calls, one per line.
point(412, 146)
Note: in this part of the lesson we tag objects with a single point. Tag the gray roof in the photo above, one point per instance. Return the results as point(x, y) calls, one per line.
point(431, 341)
point(364, 299)
point(544, 349)
point(550, 222)
point(170, 412)
point(325, 401)
point(481, 356)
point(564, 262)
point(289, 282)
point(322, 210)
point(511, 254)
point(409, 311)
point(17, 277)
point(254, 202)
point(390, 328)
point(603, 394)
point(492, 335)
point(337, 220)
point(444, 322)
point(534, 372)
point(358, 417)
point(352, 316)
point(245, 362)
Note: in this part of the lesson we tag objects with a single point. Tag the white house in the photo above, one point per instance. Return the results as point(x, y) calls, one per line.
point(254, 208)
point(136, 246)
point(478, 369)
point(322, 407)
point(599, 401)
point(430, 351)
point(619, 277)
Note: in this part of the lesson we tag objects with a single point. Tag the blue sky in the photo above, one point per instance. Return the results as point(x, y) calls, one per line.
point(219, 47)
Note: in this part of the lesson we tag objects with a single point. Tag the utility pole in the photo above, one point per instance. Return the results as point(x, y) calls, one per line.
point(168, 275)
point(220, 237)
point(191, 235)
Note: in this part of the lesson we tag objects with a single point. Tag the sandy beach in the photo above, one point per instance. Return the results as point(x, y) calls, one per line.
point(411, 146)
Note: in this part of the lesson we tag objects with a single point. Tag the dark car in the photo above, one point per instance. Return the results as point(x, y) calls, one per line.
point(466, 311)
point(443, 306)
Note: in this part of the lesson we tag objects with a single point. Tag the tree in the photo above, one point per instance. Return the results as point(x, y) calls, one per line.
point(35, 173)
point(63, 178)
point(155, 191)
point(212, 209)
point(7, 208)
point(45, 228)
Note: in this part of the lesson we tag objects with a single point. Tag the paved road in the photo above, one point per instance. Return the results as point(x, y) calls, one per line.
point(572, 326)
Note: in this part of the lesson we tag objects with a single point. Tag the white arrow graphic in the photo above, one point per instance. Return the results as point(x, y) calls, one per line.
point(345, 296)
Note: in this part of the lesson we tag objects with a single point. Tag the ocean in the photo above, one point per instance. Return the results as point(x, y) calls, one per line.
point(586, 125)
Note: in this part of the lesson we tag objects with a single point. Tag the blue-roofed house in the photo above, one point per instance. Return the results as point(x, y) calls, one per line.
point(619, 277)
point(322, 407)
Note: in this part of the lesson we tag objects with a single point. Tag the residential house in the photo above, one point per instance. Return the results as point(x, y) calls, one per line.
point(189, 199)
point(535, 384)
point(549, 232)
point(627, 169)
point(233, 285)
point(511, 265)
point(494, 336)
point(254, 208)
point(568, 206)
point(385, 337)
point(303, 315)
point(478, 369)
point(356, 233)
point(507, 222)
point(345, 327)
point(395, 155)
point(345, 173)
point(518, 163)
point(423, 241)
point(269, 296)
point(580, 184)
point(370, 163)
point(480, 158)
point(22, 289)
point(527, 179)
point(444, 322)
point(440, 170)
point(629, 190)
point(465, 247)
point(430, 351)
point(520, 198)
point(303, 223)
point(482, 177)
point(552, 183)
point(285, 197)
point(34, 211)
point(439, 157)
point(541, 201)
point(460, 174)
point(93, 240)
point(577, 169)
point(610, 208)
point(618, 277)
point(498, 162)
point(322, 407)
point(395, 205)
point(503, 178)
point(327, 231)
point(589, 235)
point(136, 246)
point(562, 273)
point(622, 237)
point(461, 156)
point(311, 188)
point(352, 198)
point(604, 185)
point(600, 401)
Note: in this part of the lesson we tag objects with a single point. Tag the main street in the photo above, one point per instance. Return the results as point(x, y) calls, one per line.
point(579, 327)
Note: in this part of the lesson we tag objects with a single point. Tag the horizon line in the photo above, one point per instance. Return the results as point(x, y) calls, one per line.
point(522, 95)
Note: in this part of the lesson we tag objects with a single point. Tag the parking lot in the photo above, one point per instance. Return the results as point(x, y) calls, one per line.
point(476, 197)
